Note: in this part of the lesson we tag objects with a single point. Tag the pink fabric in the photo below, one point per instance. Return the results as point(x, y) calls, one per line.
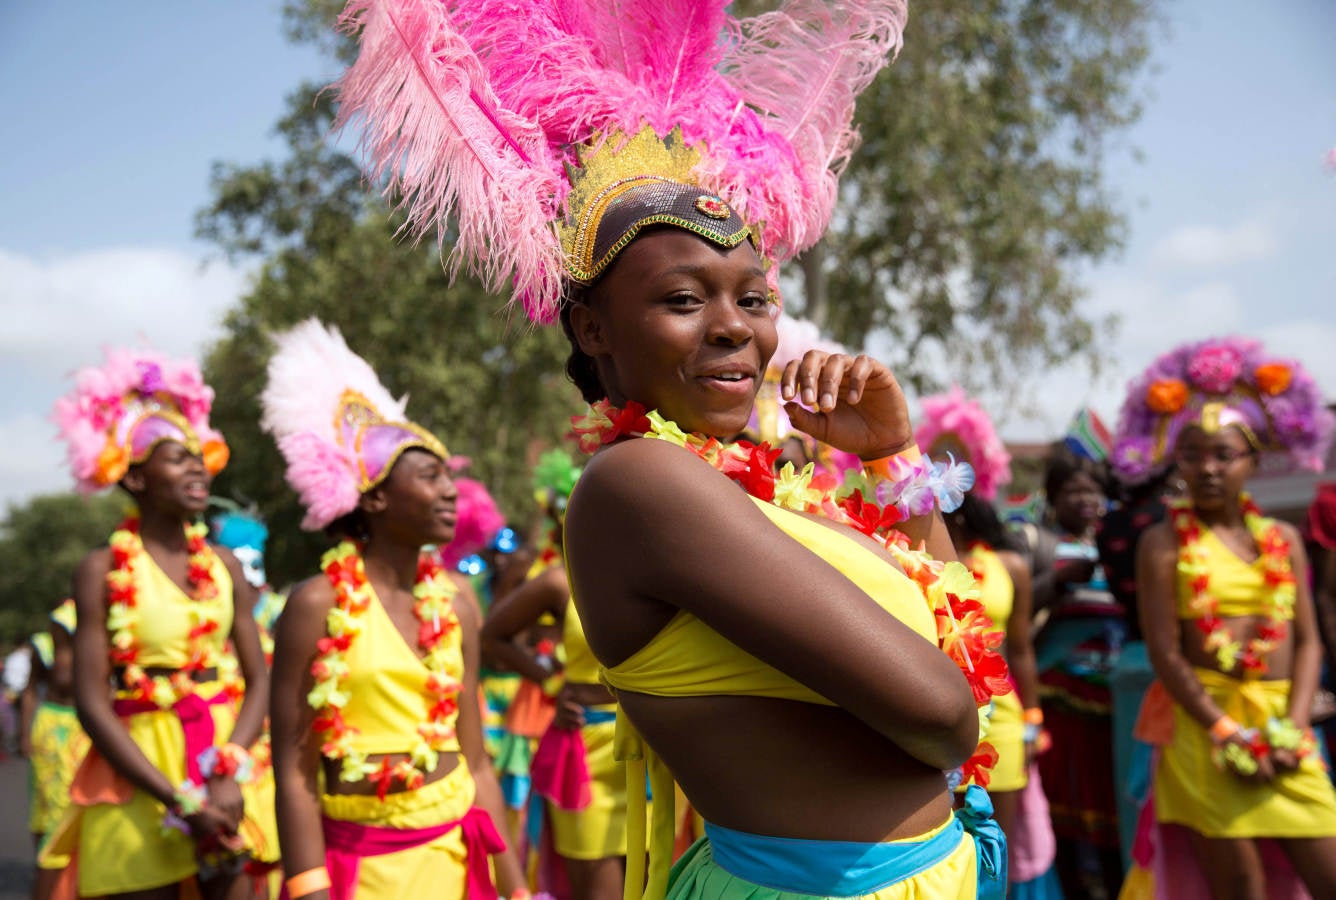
point(196, 724)
point(347, 843)
point(560, 771)
point(1031, 845)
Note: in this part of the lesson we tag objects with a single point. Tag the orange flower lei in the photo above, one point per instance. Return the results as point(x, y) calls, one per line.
point(1277, 575)
point(438, 634)
point(964, 631)
point(127, 553)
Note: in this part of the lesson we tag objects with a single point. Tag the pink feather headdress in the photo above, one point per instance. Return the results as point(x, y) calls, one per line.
point(482, 115)
point(954, 423)
point(338, 428)
point(120, 411)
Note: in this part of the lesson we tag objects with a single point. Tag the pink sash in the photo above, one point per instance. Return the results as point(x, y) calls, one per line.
point(560, 770)
point(196, 723)
point(347, 843)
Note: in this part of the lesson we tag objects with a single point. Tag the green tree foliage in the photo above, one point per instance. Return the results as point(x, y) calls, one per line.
point(41, 544)
point(492, 388)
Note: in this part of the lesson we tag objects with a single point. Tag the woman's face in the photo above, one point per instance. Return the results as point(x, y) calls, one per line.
point(1079, 503)
point(416, 502)
point(1214, 467)
point(172, 479)
point(681, 326)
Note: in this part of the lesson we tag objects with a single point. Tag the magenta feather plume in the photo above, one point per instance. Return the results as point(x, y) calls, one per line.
point(477, 520)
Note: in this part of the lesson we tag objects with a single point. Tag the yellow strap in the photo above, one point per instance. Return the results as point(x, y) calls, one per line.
point(635, 826)
point(663, 830)
point(642, 765)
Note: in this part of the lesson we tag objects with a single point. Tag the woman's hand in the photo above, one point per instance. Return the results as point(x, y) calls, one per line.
point(570, 713)
point(225, 797)
point(1284, 760)
point(856, 403)
point(209, 823)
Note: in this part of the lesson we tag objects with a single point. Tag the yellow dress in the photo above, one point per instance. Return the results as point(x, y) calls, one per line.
point(688, 658)
point(598, 830)
point(58, 742)
point(1189, 788)
point(1006, 725)
point(387, 701)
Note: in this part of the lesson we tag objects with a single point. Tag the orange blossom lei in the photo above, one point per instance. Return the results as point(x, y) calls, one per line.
point(438, 634)
point(964, 631)
point(1278, 578)
point(127, 554)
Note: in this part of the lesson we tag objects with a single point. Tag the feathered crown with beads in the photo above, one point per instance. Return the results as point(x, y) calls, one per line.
point(1217, 382)
point(956, 424)
point(121, 410)
point(485, 116)
point(338, 428)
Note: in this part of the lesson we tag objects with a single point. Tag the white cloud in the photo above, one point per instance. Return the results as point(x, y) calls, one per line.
point(61, 310)
point(1309, 341)
point(1207, 246)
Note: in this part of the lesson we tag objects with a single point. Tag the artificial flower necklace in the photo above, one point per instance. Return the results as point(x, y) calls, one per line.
point(1278, 598)
point(964, 631)
point(438, 635)
point(127, 554)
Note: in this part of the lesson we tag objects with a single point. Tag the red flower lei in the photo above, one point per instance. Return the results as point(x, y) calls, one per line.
point(1277, 574)
point(964, 631)
point(438, 634)
point(127, 553)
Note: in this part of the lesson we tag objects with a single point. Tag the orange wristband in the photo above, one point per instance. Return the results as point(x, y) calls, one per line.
point(308, 882)
point(1223, 729)
point(881, 468)
point(1034, 716)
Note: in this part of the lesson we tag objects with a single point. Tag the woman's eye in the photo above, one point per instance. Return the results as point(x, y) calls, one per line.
point(752, 301)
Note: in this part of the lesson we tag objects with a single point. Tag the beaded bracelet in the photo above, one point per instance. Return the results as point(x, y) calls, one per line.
point(308, 882)
point(912, 483)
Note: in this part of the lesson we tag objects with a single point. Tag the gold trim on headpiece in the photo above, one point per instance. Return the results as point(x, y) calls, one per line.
point(359, 415)
point(1216, 416)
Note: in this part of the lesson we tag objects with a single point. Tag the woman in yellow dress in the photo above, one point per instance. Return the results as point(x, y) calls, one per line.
point(158, 800)
point(1229, 622)
point(384, 788)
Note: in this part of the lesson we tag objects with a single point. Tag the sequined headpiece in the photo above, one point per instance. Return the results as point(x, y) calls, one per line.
point(119, 412)
point(503, 117)
point(1217, 384)
point(340, 431)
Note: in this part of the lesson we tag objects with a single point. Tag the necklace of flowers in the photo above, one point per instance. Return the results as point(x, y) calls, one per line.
point(438, 635)
point(127, 553)
point(1278, 587)
point(964, 631)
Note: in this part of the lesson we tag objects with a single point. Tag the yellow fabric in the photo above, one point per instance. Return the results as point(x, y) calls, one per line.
point(954, 878)
point(166, 615)
point(689, 659)
point(387, 685)
point(65, 616)
point(598, 830)
point(1190, 790)
point(1236, 585)
point(581, 665)
point(1006, 732)
point(437, 869)
point(123, 847)
point(58, 746)
point(996, 591)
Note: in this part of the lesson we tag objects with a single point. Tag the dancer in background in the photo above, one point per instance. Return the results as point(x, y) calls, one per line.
point(158, 799)
point(376, 657)
point(1229, 624)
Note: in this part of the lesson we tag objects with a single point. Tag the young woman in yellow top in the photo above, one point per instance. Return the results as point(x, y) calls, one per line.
point(157, 800)
point(383, 786)
point(1228, 619)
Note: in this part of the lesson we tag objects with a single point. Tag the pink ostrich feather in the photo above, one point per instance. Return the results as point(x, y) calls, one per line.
point(95, 406)
point(311, 368)
point(955, 415)
point(477, 521)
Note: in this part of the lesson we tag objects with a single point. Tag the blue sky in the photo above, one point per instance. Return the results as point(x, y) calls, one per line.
point(113, 115)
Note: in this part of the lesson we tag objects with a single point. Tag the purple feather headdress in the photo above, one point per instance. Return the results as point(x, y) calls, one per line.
point(954, 423)
point(1230, 381)
point(480, 114)
point(338, 428)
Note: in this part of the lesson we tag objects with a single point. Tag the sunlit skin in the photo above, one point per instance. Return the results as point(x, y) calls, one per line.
point(171, 489)
point(414, 506)
point(1215, 468)
point(651, 531)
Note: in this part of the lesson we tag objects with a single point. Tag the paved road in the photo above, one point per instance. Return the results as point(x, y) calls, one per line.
point(15, 842)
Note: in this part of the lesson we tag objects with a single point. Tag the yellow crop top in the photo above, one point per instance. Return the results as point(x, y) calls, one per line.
point(581, 665)
point(387, 685)
point(690, 659)
point(997, 593)
point(1237, 586)
point(166, 615)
